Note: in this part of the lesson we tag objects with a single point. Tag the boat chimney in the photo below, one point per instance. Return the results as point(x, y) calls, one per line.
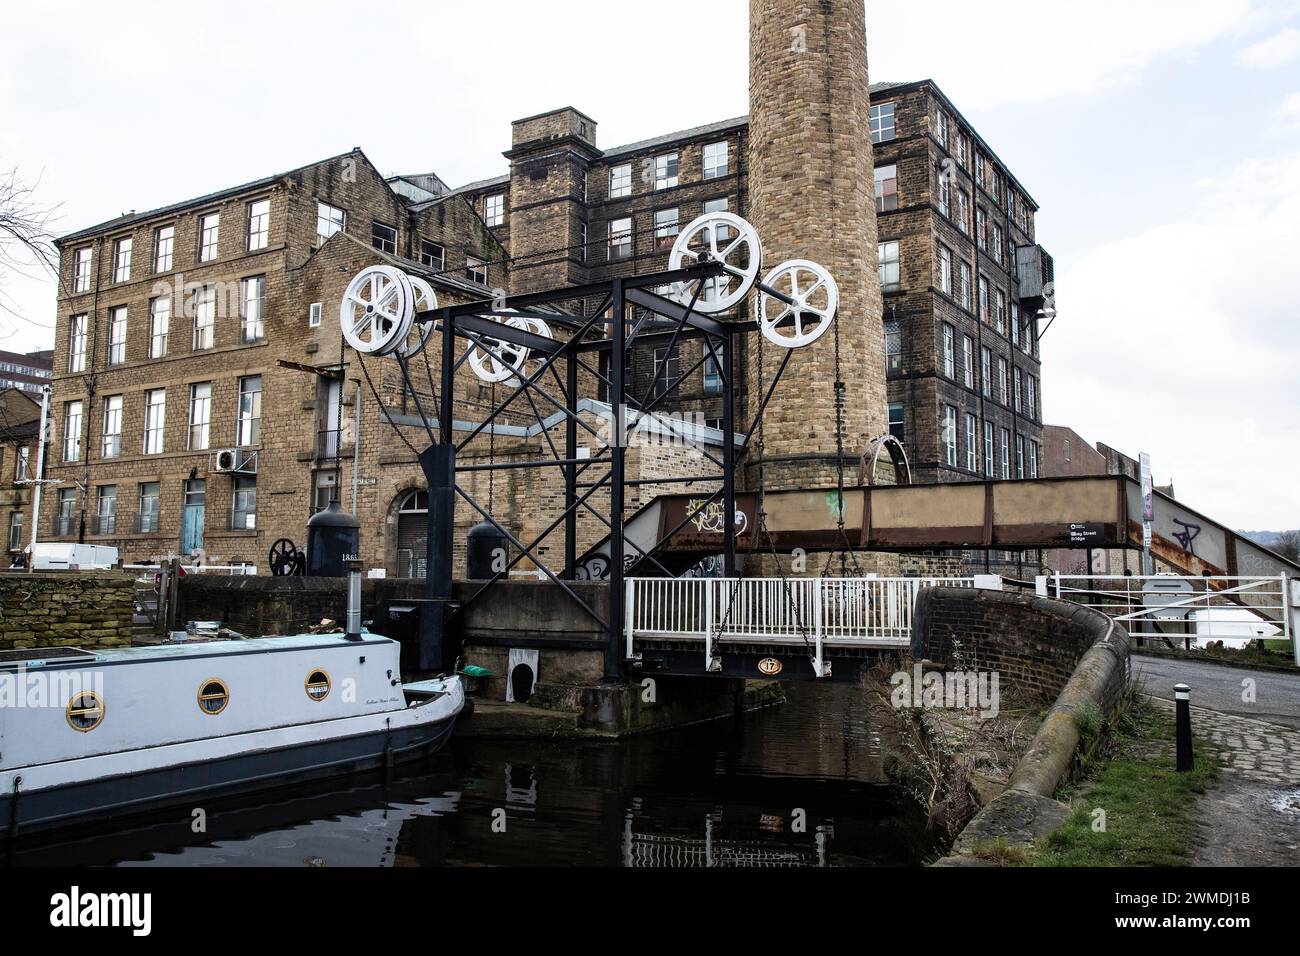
point(354, 601)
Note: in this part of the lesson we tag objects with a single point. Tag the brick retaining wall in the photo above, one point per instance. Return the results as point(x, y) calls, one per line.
point(1035, 643)
point(1069, 654)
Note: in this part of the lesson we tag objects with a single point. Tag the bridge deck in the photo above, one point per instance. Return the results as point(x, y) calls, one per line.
point(816, 615)
point(1082, 512)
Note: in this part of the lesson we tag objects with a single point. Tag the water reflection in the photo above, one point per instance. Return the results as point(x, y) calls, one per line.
point(798, 785)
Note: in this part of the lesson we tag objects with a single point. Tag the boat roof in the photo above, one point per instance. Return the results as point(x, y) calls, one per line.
point(72, 657)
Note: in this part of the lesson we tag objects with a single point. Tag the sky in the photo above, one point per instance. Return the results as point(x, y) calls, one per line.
point(1161, 139)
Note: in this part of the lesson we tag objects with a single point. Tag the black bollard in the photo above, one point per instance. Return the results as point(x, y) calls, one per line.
point(1183, 726)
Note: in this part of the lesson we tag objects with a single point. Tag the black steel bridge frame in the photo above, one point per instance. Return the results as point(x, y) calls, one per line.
point(614, 327)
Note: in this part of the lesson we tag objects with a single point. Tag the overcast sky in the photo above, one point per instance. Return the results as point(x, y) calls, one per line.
point(1160, 137)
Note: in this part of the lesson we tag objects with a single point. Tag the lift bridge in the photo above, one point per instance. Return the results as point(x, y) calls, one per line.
point(657, 618)
point(733, 625)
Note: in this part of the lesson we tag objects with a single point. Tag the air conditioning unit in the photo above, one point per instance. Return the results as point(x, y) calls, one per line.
point(228, 461)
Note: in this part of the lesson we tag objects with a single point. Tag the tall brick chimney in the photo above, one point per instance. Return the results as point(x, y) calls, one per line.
point(811, 180)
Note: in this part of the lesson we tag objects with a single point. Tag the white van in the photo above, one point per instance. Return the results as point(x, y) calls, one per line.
point(57, 556)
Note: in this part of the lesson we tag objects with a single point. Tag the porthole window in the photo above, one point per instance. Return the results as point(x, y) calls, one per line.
point(318, 685)
point(85, 711)
point(214, 695)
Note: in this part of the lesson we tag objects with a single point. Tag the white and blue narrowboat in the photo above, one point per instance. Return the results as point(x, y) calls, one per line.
point(90, 734)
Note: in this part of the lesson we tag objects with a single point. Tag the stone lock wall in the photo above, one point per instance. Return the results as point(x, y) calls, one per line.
point(1034, 643)
point(65, 610)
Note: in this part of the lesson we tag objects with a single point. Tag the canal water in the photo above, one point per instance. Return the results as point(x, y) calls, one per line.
point(801, 784)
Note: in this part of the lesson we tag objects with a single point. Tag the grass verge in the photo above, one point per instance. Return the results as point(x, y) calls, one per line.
point(1148, 807)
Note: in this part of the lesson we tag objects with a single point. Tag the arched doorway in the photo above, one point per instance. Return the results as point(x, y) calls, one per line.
point(412, 534)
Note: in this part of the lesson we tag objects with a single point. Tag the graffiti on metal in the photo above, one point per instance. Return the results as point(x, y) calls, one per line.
point(709, 517)
point(1187, 535)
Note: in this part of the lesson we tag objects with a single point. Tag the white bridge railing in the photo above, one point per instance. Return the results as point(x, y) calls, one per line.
point(812, 612)
point(1185, 609)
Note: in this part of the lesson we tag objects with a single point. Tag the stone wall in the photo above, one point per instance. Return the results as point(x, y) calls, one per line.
point(262, 605)
point(63, 609)
point(1034, 643)
point(1071, 655)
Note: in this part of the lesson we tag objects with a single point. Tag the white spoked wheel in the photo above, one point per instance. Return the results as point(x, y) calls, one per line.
point(426, 300)
point(816, 300)
point(496, 360)
point(529, 324)
point(377, 309)
point(726, 238)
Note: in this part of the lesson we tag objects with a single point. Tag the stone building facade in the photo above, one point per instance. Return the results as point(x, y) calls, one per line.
point(955, 232)
point(570, 213)
point(212, 324)
point(20, 423)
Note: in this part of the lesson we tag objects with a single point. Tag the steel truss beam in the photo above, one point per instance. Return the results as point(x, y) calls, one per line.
point(608, 328)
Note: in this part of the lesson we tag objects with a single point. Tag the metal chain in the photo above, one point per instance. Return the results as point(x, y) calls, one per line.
point(428, 371)
point(761, 509)
point(839, 468)
point(379, 402)
point(492, 454)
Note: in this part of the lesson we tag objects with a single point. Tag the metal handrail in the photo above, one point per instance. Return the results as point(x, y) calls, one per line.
point(1218, 607)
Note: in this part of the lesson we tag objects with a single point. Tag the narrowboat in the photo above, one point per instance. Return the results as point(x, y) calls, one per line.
point(86, 735)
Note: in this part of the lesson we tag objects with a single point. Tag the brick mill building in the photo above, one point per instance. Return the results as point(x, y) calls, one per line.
point(20, 427)
point(212, 324)
point(956, 234)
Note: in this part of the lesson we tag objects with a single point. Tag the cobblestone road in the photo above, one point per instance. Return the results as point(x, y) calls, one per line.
point(1251, 816)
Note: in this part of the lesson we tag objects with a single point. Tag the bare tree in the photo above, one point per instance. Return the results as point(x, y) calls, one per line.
point(1288, 545)
point(26, 236)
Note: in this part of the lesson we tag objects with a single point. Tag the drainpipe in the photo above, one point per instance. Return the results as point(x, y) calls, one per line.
point(89, 379)
point(40, 465)
point(356, 445)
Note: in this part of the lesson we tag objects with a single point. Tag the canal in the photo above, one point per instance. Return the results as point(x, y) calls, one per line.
point(797, 785)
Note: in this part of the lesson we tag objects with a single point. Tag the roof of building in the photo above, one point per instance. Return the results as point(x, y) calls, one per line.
point(131, 218)
point(691, 133)
point(418, 187)
point(481, 184)
point(430, 182)
point(22, 432)
point(18, 423)
point(42, 358)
